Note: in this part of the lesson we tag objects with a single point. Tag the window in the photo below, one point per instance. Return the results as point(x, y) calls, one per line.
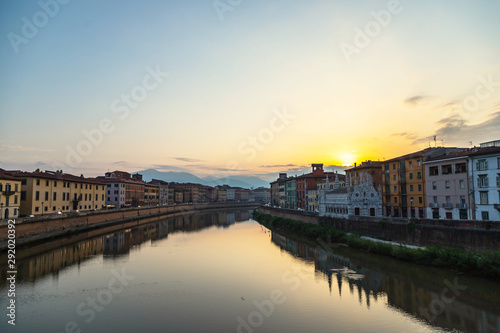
point(372, 211)
point(46, 196)
point(46, 183)
point(395, 189)
point(37, 195)
point(420, 187)
point(55, 183)
point(411, 188)
point(386, 167)
point(410, 164)
point(498, 162)
point(36, 209)
point(64, 196)
point(420, 200)
point(446, 169)
point(482, 181)
point(460, 168)
point(461, 184)
point(394, 166)
point(394, 177)
point(434, 185)
point(116, 185)
point(38, 182)
point(418, 162)
point(498, 180)
point(15, 197)
point(435, 199)
point(483, 197)
point(447, 184)
point(395, 199)
point(482, 165)
point(54, 196)
point(419, 175)
point(46, 208)
point(485, 216)
point(433, 171)
point(411, 175)
point(53, 208)
point(76, 185)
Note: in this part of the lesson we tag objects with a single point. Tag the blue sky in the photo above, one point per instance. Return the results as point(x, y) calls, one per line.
point(228, 78)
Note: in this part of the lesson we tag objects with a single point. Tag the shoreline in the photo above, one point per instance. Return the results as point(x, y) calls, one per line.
point(36, 231)
point(479, 263)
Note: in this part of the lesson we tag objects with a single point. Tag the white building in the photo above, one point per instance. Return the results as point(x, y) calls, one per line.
point(355, 199)
point(484, 175)
point(333, 202)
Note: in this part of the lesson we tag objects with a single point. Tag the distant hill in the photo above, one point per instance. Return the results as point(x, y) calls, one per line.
point(186, 177)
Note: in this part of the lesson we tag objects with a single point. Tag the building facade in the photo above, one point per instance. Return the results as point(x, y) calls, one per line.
point(447, 187)
point(404, 183)
point(51, 192)
point(484, 174)
point(10, 196)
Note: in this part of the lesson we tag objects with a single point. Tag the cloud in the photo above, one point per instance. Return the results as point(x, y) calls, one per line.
point(120, 163)
point(5, 146)
point(281, 166)
point(415, 100)
point(186, 159)
point(455, 130)
point(405, 135)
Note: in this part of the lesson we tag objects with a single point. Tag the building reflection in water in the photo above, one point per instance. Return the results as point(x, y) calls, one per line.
point(406, 290)
point(115, 244)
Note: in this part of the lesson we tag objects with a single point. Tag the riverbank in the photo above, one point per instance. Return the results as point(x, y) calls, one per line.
point(482, 263)
point(30, 231)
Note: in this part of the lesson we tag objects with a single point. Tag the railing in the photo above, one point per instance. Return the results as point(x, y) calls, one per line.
point(447, 205)
point(9, 192)
point(461, 205)
point(433, 205)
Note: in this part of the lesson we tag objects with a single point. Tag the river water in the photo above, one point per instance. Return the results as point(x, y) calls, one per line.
point(224, 272)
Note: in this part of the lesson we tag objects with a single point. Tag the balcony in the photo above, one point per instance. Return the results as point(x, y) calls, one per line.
point(448, 206)
point(433, 205)
point(462, 205)
point(9, 192)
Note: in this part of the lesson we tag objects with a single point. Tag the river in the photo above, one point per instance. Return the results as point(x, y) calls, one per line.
point(224, 272)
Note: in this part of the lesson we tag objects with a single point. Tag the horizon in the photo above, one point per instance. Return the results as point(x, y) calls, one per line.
point(252, 89)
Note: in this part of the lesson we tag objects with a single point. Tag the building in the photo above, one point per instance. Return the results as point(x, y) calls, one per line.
point(278, 191)
point(447, 187)
point(10, 196)
point(291, 193)
point(404, 182)
point(151, 195)
point(373, 168)
point(364, 198)
point(308, 182)
point(262, 194)
point(165, 193)
point(484, 174)
point(358, 198)
point(50, 192)
point(123, 189)
point(333, 201)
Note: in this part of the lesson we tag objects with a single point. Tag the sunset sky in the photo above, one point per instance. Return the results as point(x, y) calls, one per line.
point(256, 87)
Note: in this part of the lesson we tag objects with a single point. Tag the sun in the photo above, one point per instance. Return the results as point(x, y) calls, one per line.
point(348, 159)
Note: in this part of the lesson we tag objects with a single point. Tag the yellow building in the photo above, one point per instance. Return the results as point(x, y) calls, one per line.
point(404, 183)
point(10, 196)
point(50, 192)
point(151, 195)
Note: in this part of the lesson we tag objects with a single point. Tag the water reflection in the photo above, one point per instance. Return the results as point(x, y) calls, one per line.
point(113, 245)
point(412, 289)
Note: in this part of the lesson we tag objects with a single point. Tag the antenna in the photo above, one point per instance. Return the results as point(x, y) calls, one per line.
point(434, 141)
